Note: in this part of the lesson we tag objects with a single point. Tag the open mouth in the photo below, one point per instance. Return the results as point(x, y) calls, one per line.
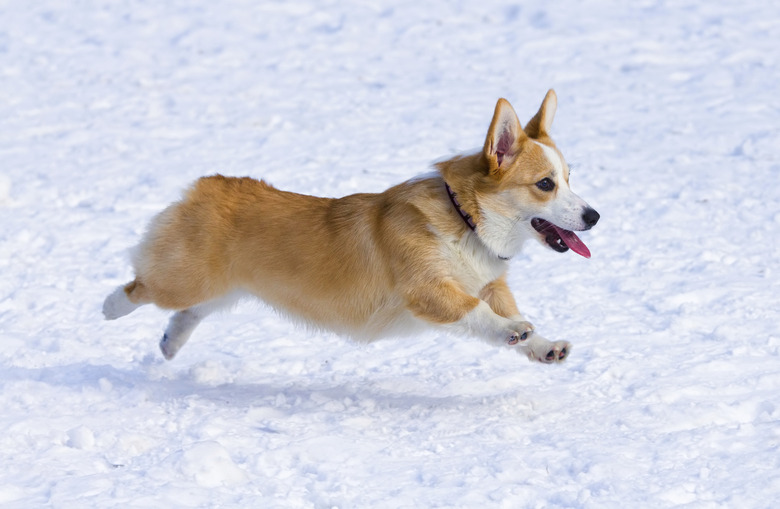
point(560, 239)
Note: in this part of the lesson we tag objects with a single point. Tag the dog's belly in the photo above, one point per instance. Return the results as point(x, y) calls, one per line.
point(360, 315)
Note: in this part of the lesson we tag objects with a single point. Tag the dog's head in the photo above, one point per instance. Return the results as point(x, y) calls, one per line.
point(525, 191)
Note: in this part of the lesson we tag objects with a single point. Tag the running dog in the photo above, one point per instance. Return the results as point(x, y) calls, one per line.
point(431, 251)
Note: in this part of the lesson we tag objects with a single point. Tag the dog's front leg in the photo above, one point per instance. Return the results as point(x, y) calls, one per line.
point(540, 349)
point(500, 299)
point(497, 330)
point(445, 303)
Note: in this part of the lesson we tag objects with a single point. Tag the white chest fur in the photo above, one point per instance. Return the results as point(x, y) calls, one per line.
point(473, 264)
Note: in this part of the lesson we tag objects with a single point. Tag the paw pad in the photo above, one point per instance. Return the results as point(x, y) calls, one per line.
point(556, 355)
point(515, 338)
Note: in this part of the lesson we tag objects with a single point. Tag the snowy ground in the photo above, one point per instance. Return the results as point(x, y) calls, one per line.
point(669, 113)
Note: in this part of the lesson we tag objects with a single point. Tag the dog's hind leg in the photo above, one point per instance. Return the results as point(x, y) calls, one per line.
point(180, 329)
point(120, 303)
point(184, 322)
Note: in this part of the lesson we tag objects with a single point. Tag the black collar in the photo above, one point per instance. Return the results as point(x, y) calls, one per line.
point(466, 217)
point(463, 214)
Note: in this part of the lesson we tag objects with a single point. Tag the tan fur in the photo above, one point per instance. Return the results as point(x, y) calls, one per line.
point(499, 297)
point(362, 264)
point(341, 263)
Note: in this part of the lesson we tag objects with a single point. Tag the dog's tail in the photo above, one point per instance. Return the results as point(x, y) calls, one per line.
point(124, 300)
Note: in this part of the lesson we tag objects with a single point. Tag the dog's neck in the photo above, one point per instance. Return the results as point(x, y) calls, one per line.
point(463, 214)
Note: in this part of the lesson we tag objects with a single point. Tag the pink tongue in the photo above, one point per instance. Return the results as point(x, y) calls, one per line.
point(574, 242)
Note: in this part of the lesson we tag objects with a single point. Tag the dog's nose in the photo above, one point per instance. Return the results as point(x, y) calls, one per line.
point(590, 217)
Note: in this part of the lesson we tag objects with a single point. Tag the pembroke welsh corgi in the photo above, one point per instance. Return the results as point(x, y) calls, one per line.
point(431, 251)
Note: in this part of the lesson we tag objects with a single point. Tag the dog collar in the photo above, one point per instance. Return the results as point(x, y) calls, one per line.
point(463, 214)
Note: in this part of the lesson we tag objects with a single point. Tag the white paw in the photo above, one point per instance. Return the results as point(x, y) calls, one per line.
point(117, 304)
point(168, 348)
point(547, 352)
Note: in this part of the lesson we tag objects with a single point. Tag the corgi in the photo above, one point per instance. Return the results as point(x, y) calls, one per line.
point(431, 251)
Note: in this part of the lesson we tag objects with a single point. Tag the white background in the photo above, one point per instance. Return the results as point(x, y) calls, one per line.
point(668, 113)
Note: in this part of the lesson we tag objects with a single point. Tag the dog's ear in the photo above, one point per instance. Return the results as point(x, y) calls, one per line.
point(540, 124)
point(503, 139)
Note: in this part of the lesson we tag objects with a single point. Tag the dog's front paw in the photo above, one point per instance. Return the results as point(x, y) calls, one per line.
point(547, 352)
point(519, 332)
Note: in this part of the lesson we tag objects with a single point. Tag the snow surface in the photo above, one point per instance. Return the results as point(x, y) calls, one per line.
point(668, 112)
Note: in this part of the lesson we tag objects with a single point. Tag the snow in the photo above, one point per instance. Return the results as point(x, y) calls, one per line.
point(668, 114)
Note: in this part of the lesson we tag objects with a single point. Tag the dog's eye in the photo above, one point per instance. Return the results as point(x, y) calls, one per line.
point(546, 184)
